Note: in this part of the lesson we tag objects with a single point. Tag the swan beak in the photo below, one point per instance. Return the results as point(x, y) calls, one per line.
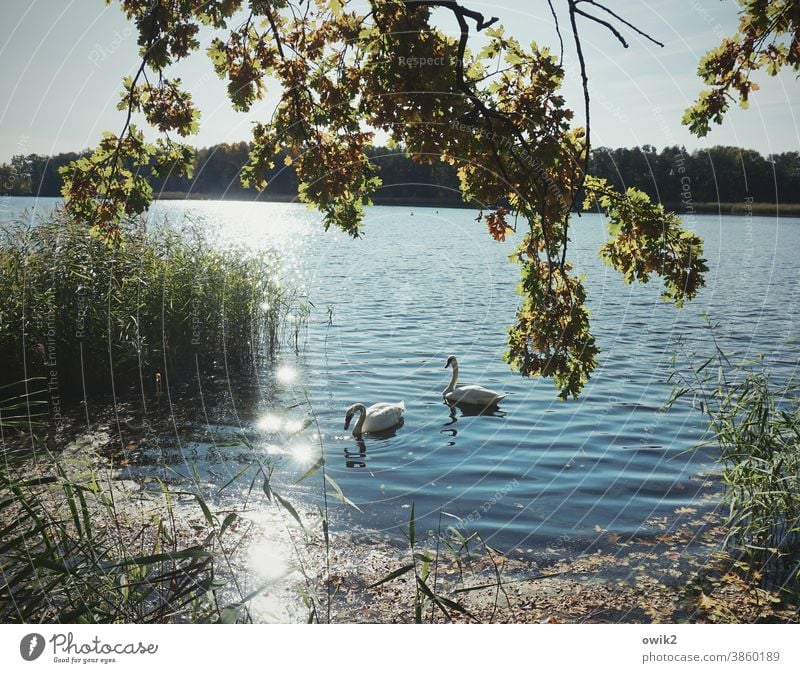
point(347, 422)
point(447, 364)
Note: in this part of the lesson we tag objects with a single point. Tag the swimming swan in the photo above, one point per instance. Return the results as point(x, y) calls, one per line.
point(381, 416)
point(472, 394)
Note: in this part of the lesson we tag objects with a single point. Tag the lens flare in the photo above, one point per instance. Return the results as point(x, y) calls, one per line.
point(269, 423)
point(302, 454)
point(292, 427)
point(286, 374)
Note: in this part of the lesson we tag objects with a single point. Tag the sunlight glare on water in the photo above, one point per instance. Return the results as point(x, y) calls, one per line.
point(293, 426)
point(286, 373)
point(269, 423)
point(270, 560)
point(302, 454)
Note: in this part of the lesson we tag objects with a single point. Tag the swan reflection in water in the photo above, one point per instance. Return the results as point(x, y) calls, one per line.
point(473, 410)
point(356, 457)
point(466, 410)
point(451, 432)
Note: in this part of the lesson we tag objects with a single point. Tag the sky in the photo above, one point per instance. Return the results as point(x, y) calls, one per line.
point(63, 62)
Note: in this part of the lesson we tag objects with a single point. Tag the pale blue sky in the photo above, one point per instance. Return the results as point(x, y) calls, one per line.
point(63, 61)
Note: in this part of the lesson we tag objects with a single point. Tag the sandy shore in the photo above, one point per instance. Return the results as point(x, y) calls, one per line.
point(676, 571)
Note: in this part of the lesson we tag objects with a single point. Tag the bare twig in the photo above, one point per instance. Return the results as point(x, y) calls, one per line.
point(573, 9)
point(621, 20)
point(558, 32)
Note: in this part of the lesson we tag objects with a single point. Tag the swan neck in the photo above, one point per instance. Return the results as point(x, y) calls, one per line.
point(453, 380)
point(362, 416)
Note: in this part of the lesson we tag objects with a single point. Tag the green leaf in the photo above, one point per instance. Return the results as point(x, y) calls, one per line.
point(425, 589)
point(204, 507)
point(453, 605)
point(191, 553)
point(227, 522)
point(339, 494)
point(411, 526)
point(392, 575)
point(288, 507)
point(320, 462)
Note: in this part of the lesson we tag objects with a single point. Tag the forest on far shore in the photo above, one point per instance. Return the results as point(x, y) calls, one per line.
point(672, 176)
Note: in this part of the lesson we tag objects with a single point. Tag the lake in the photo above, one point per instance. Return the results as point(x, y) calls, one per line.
point(422, 284)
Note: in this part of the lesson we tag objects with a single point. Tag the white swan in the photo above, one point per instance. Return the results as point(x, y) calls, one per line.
point(471, 394)
point(381, 416)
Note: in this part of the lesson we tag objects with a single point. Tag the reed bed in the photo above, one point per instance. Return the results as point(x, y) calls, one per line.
point(96, 320)
point(754, 424)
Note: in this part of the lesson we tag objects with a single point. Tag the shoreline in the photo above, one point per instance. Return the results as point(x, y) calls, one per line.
point(674, 570)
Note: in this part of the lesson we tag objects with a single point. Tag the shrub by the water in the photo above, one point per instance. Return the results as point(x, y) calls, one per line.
point(166, 303)
point(754, 421)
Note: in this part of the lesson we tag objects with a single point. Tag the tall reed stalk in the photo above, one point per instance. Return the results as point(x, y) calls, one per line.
point(754, 423)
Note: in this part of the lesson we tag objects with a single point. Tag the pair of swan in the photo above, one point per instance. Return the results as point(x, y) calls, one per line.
point(385, 415)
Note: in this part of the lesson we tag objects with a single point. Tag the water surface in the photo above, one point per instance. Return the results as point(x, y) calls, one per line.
point(422, 284)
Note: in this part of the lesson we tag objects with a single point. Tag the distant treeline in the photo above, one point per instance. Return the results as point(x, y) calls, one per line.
point(672, 176)
point(676, 177)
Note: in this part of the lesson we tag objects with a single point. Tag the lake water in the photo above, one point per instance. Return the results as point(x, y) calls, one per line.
point(422, 284)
